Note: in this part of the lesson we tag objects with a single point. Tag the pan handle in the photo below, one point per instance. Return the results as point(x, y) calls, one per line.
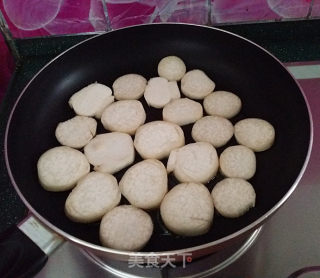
point(24, 249)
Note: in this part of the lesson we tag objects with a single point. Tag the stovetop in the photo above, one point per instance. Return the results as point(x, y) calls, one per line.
point(288, 243)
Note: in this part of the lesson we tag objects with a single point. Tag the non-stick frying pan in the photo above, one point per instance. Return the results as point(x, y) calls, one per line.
point(265, 87)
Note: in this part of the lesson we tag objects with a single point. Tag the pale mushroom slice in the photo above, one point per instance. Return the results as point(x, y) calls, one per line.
point(126, 228)
point(160, 91)
point(256, 134)
point(187, 209)
point(124, 116)
point(129, 86)
point(238, 162)
point(60, 168)
point(195, 162)
point(222, 103)
point(76, 132)
point(215, 130)
point(233, 197)
point(157, 139)
point(110, 152)
point(94, 195)
point(145, 184)
point(182, 111)
point(196, 84)
point(171, 68)
point(91, 100)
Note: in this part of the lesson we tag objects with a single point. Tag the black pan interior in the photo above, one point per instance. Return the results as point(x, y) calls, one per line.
point(264, 86)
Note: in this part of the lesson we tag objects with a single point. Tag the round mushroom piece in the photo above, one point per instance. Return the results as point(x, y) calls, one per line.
point(91, 100)
point(182, 111)
point(238, 162)
point(187, 209)
point(233, 197)
point(159, 92)
point(215, 130)
point(129, 86)
point(76, 132)
point(195, 162)
point(110, 152)
point(60, 168)
point(222, 103)
point(94, 195)
point(126, 228)
point(145, 184)
point(196, 84)
point(157, 139)
point(171, 68)
point(256, 134)
point(124, 116)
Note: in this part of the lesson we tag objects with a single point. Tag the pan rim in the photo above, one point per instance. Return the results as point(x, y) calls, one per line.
point(211, 244)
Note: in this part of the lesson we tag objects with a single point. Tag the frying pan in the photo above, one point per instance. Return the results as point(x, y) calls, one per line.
point(265, 87)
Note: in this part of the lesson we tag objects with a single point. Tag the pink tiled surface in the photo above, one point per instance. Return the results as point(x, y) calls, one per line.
point(6, 66)
point(310, 86)
point(130, 12)
point(29, 18)
point(226, 11)
point(223, 11)
point(290, 9)
point(124, 13)
point(316, 9)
